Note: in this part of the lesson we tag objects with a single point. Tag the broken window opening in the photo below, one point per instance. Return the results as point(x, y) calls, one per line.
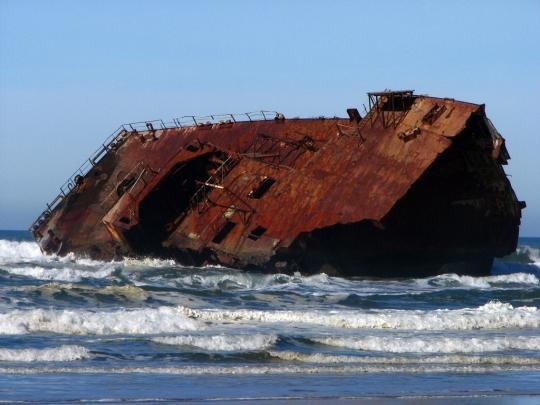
point(161, 210)
point(434, 113)
point(257, 232)
point(398, 104)
point(262, 188)
point(223, 232)
point(396, 101)
point(124, 186)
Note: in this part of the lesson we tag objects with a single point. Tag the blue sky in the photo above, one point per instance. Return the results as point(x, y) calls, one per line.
point(72, 71)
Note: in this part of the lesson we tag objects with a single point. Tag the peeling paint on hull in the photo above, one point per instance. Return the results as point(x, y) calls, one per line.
point(415, 187)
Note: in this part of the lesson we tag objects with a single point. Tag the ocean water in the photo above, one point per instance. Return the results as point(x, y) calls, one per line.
point(77, 330)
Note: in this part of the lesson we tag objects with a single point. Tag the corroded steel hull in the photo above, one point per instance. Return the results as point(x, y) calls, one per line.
point(415, 187)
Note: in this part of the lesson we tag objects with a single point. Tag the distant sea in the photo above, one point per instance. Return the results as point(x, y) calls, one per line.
point(75, 330)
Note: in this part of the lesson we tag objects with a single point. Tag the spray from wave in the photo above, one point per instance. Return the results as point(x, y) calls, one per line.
point(15, 252)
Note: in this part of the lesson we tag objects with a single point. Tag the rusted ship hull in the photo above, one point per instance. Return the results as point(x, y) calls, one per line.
point(415, 187)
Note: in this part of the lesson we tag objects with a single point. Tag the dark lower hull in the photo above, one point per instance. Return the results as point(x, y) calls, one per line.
point(391, 265)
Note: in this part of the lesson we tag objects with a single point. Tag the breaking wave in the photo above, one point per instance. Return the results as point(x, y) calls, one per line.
point(25, 251)
point(227, 279)
point(14, 251)
point(140, 318)
point(82, 322)
point(60, 274)
point(146, 262)
point(493, 315)
point(322, 358)
point(25, 259)
point(433, 344)
point(221, 342)
point(275, 369)
point(62, 353)
point(453, 280)
point(532, 253)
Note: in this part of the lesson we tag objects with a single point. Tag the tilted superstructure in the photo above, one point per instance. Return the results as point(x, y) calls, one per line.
point(416, 186)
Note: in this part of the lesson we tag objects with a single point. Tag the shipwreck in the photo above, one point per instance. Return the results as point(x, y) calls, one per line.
point(414, 185)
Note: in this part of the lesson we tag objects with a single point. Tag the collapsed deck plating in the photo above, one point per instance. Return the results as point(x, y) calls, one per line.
point(414, 187)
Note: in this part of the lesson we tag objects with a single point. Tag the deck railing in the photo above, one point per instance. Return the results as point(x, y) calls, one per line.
point(124, 130)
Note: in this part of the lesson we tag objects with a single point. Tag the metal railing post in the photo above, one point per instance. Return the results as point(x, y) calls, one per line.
point(127, 128)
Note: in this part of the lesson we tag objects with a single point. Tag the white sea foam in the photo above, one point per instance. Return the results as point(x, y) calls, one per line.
point(126, 262)
point(433, 344)
point(221, 342)
point(148, 262)
point(454, 280)
point(219, 278)
point(18, 252)
point(15, 251)
point(60, 274)
point(62, 353)
point(276, 369)
point(72, 258)
point(230, 279)
point(84, 322)
point(322, 358)
point(322, 284)
point(514, 278)
point(493, 315)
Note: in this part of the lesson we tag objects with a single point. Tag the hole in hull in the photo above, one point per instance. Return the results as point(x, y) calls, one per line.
point(223, 232)
point(169, 200)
